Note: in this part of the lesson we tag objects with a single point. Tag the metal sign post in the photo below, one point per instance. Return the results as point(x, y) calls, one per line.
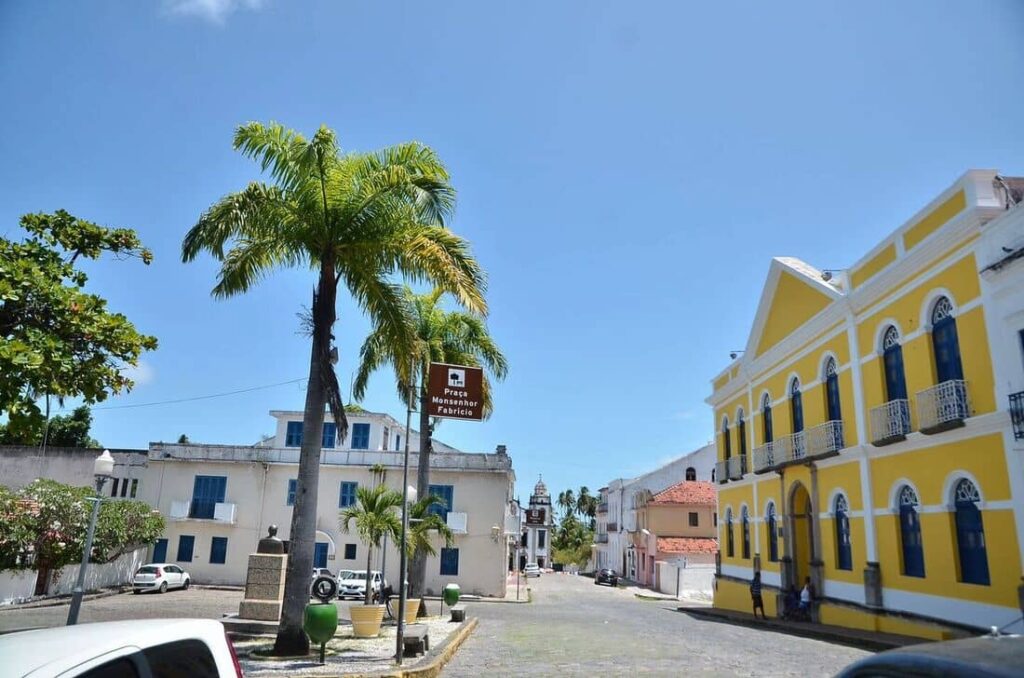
point(403, 559)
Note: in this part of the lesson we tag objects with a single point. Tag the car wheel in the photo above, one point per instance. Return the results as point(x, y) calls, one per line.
point(163, 587)
point(136, 591)
point(185, 586)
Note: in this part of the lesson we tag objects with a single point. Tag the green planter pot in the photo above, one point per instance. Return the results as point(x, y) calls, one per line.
point(451, 594)
point(320, 622)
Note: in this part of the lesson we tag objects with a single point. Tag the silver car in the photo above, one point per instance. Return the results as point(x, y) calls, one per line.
point(160, 577)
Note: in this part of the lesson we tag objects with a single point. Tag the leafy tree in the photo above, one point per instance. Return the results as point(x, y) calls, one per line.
point(453, 337)
point(55, 338)
point(586, 506)
point(567, 501)
point(359, 220)
point(183, 439)
point(375, 516)
point(122, 527)
point(71, 430)
point(572, 541)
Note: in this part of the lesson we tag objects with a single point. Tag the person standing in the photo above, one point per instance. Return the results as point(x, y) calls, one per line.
point(755, 595)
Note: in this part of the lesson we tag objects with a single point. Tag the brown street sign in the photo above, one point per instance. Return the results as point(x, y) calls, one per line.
point(455, 392)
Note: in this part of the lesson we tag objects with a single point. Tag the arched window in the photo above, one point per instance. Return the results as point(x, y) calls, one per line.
point(796, 405)
point(773, 534)
point(691, 473)
point(766, 416)
point(746, 533)
point(730, 549)
point(844, 555)
point(725, 437)
point(945, 343)
point(910, 533)
point(741, 438)
point(832, 408)
point(970, 534)
point(892, 354)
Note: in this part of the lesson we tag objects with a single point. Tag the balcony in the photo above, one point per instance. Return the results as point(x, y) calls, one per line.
point(943, 406)
point(890, 423)
point(602, 507)
point(1017, 414)
point(722, 472)
point(825, 440)
point(613, 527)
point(764, 458)
point(736, 466)
point(601, 538)
point(223, 512)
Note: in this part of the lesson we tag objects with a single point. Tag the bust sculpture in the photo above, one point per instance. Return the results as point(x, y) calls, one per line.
point(270, 543)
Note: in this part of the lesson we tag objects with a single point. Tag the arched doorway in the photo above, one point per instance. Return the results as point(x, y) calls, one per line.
point(801, 527)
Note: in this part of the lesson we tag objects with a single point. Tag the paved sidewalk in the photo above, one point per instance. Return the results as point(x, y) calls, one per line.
point(867, 640)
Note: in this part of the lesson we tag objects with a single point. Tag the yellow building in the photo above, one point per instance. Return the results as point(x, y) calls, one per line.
point(864, 440)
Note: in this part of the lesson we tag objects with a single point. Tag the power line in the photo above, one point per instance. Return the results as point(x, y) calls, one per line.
point(202, 397)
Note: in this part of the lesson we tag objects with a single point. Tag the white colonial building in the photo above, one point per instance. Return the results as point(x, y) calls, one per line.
point(220, 499)
point(619, 501)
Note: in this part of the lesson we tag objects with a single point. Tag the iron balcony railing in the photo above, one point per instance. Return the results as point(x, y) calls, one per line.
point(1017, 414)
point(789, 449)
point(722, 471)
point(825, 439)
point(764, 457)
point(890, 422)
point(942, 406)
point(737, 466)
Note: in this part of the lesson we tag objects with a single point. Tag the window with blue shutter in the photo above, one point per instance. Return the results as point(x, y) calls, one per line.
point(445, 493)
point(292, 485)
point(320, 554)
point(844, 552)
point(910, 533)
point(449, 561)
point(207, 492)
point(218, 550)
point(398, 442)
point(970, 534)
point(773, 534)
point(330, 434)
point(360, 436)
point(350, 551)
point(293, 436)
point(186, 544)
point(160, 551)
point(347, 494)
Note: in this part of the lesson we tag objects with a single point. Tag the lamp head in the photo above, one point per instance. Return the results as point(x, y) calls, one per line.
point(411, 493)
point(103, 467)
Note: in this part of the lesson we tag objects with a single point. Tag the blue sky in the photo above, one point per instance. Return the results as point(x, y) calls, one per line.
point(625, 172)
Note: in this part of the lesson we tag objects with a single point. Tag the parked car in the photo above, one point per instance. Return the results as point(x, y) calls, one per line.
point(322, 572)
point(198, 648)
point(532, 570)
point(354, 584)
point(606, 576)
point(999, 656)
point(160, 577)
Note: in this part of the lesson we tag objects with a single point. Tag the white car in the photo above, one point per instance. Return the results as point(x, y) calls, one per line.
point(198, 648)
point(322, 572)
point(160, 577)
point(532, 570)
point(353, 584)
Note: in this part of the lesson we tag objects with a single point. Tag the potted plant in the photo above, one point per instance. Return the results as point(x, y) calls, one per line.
point(374, 516)
point(423, 522)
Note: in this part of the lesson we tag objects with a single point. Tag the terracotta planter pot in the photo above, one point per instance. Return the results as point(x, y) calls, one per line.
point(366, 620)
point(412, 608)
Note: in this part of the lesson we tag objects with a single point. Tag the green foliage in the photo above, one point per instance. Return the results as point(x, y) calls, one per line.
point(71, 430)
point(43, 526)
point(572, 541)
point(55, 338)
point(423, 525)
point(374, 515)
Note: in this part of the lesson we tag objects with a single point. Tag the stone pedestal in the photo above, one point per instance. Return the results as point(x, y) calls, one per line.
point(264, 587)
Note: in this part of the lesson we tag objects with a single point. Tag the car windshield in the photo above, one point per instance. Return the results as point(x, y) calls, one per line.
point(148, 569)
point(355, 575)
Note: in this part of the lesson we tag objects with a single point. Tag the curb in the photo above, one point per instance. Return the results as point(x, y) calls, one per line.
point(433, 669)
point(815, 632)
point(62, 600)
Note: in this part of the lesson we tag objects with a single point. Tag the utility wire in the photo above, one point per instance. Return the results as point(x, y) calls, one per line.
point(202, 397)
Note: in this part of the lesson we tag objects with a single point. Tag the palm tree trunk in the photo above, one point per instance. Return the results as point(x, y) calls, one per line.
point(369, 576)
point(291, 639)
point(418, 567)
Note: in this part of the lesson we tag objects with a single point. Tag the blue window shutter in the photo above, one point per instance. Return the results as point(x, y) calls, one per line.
point(450, 561)
point(347, 494)
point(160, 551)
point(292, 485)
point(186, 544)
point(360, 436)
point(330, 434)
point(445, 493)
point(320, 554)
point(218, 550)
point(207, 492)
point(293, 436)
point(350, 551)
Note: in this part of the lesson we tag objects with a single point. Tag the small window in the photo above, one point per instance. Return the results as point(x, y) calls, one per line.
point(347, 495)
point(330, 433)
point(181, 658)
point(350, 551)
point(186, 543)
point(292, 485)
point(360, 436)
point(218, 550)
point(714, 519)
point(124, 488)
point(113, 489)
point(693, 519)
point(398, 442)
point(135, 488)
point(542, 537)
point(691, 473)
point(445, 493)
point(449, 561)
point(293, 436)
point(387, 438)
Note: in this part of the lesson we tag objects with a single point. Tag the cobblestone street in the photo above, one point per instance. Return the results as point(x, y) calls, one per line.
point(574, 628)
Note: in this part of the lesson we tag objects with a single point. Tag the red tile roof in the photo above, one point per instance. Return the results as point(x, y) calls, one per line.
point(687, 545)
point(690, 492)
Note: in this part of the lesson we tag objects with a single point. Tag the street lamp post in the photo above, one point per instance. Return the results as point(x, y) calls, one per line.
point(102, 469)
point(407, 493)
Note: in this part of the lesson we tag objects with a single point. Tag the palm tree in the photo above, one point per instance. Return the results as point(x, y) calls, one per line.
point(567, 501)
point(354, 219)
point(423, 523)
point(375, 516)
point(453, 337)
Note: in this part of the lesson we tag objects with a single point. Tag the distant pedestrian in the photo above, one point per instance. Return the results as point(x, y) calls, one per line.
point(755, 595)
point(806, 596)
